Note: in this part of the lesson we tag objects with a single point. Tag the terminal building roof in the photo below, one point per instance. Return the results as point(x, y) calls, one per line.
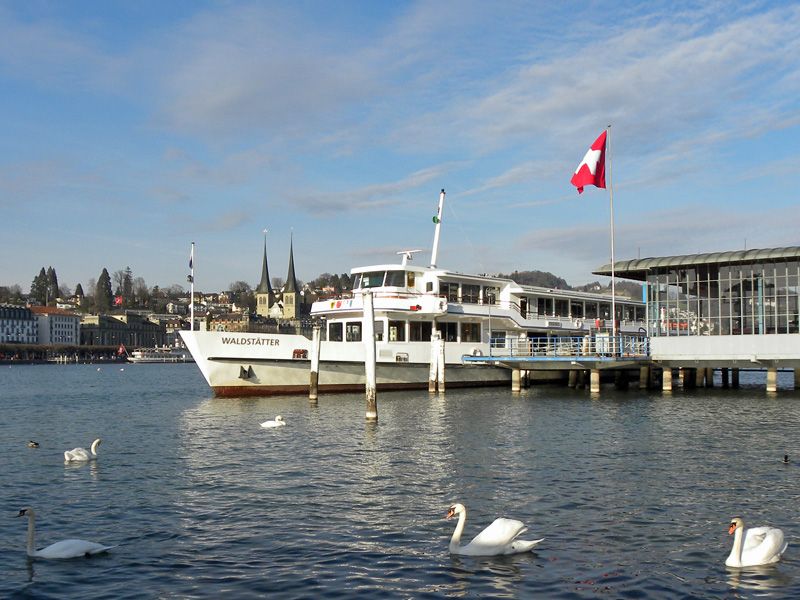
point(639, 268)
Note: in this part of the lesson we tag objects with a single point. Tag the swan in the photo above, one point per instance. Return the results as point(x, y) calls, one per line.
point(278, 422)
point(498, 538)
point(755, 546)
point(80, 454)
point(33, 444)
point(63, 549)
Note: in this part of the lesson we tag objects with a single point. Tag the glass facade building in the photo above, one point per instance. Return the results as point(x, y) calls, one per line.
point(741, 293)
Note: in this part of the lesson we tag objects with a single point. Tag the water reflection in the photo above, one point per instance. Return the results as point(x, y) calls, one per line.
point(763, 578)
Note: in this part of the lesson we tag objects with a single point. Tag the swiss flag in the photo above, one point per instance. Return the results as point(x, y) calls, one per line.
point(121, 350)
point(118, 300)
point(592, 170)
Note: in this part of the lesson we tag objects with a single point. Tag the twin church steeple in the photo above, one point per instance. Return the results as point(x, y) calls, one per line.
point(266, 297)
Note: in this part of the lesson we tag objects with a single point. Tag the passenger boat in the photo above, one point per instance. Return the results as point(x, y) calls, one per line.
point(160, 355)
point(471, 313)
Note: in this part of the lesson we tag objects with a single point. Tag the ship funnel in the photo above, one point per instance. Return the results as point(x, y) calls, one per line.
point(438, 220)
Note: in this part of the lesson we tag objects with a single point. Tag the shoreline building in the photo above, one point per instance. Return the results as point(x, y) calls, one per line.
point(723, 310)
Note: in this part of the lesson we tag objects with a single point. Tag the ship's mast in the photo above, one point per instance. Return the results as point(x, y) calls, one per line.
point(438, 220)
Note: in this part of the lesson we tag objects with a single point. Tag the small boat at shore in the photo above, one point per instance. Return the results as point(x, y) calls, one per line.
point(160, 355)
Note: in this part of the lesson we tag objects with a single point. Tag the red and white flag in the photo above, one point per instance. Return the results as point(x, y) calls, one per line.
point(118, 300)
point(121, 350)
point(592, 170)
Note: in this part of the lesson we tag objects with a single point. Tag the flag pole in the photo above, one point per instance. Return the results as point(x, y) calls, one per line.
point(611, 200)
point(191, 282)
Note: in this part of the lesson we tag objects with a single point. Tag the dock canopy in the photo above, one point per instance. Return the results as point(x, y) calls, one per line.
point(639, 268)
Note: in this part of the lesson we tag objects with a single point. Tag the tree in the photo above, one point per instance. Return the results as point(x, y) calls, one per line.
point(79, 290)
point(104, 298)
point(39, 287)
point(141, 292)
point(52, 285)
point(127, 287)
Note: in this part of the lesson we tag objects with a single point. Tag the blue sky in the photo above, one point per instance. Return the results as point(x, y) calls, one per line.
point(131, 129)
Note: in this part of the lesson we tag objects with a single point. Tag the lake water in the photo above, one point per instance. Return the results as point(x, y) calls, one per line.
point(633, 490)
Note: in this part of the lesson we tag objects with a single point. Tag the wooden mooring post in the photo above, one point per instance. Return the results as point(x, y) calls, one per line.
point(370, 358)
point(313, 385)
point(436, 373)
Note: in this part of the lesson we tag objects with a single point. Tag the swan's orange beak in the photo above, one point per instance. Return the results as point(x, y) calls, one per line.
point(450, 513)
point(732, 529)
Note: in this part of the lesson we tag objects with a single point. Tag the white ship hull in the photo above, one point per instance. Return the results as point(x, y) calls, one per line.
point(262, 364)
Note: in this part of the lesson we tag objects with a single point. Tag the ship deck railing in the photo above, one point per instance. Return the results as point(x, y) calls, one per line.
point(597, 347)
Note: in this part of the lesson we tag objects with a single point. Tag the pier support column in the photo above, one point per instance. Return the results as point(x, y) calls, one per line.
point(573, 379)
point(515, 377)
point(735, 377)
point(797, 379)
point(772, 379)
point(594, 381)
point(725, 377)
point(644, 377)
point(700, 377)
point(621, 379)
point(666, 379)
point(582, 378)
point(710, 377)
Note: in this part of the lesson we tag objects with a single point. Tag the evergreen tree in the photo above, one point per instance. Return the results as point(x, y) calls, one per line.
point(127, 287)
point(39, 287)
point(52, 286)
point(104, 296)
point(79, 291)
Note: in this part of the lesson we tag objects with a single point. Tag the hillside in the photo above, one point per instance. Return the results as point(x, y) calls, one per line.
point(544, 279)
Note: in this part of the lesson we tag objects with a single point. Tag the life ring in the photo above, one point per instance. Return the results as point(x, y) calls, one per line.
point(443, 306)
point(578, 323)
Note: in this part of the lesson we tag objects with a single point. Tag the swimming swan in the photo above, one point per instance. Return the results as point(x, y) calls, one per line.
point(278, 422)
point(498, 538)
point(755, 546)
point(64, 549)
point(80, 454)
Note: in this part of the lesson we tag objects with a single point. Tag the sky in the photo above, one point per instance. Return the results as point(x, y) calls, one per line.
point(132, 129)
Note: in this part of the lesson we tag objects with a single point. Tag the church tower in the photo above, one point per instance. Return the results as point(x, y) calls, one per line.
point(265, 296)
point(291, 292)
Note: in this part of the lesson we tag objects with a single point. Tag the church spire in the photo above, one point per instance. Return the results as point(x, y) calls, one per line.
point(265, 296)
point(291, 282)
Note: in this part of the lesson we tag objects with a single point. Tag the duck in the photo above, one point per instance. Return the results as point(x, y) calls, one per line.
point(786, 459)
point(32, 444)
point(498, 538)
point(755, 546)
point(278, 422)
point(80, 454)
point(62, 549)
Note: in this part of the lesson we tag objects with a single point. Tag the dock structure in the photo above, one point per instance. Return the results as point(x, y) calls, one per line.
point(576, 356)
point(722, 312)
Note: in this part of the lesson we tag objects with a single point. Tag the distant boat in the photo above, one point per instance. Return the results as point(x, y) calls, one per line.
point(160, 355)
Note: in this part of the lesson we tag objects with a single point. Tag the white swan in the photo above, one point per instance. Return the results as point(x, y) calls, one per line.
point(498, 538)
point(80, 454)
point(278, 422)
point(63, 549)
point(755, 546)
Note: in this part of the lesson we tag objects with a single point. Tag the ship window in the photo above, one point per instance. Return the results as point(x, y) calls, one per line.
point(356, 281)
point(411, 278)
point(576, 309)
point(419, 331)
point(397, 331)
point(449, 291)
point(395, 278)
point(354, 331)
point(335, 332)
point(562, 308)
point(470, 293)
point(591, 310)
point(448, 331)
point(490, 295)
point(470, 332)
point(373, 279)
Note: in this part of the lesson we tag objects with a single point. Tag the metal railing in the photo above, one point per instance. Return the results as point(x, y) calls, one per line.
point(589, 346)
